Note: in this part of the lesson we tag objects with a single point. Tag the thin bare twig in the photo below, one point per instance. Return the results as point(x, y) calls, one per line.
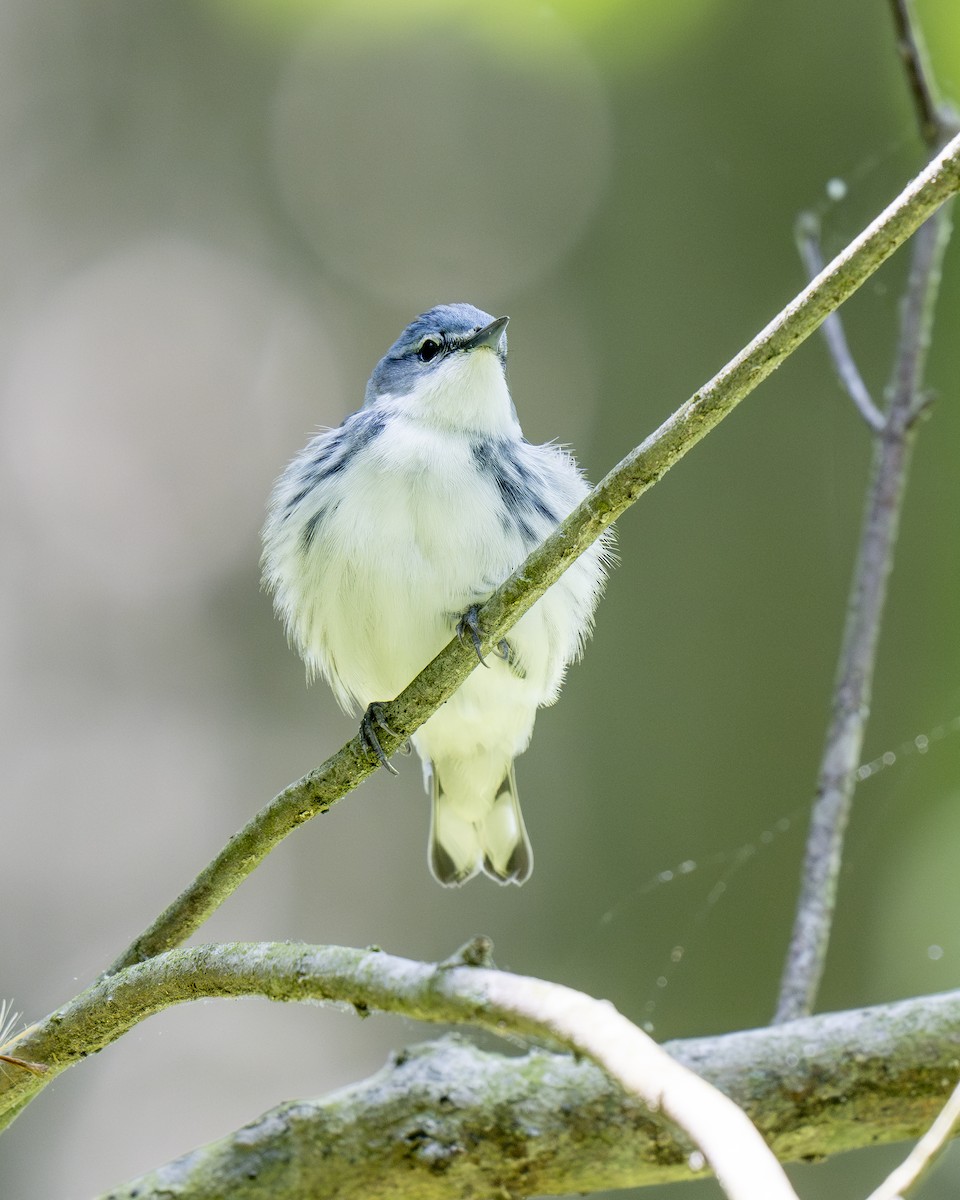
point(843, 744)
point(916, 64)
point(807, 233)
point(850, 707)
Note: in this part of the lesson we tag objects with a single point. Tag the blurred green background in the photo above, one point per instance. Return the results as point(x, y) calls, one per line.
point(214, 217)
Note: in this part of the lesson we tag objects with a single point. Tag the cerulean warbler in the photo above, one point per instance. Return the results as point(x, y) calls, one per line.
point(385, 533)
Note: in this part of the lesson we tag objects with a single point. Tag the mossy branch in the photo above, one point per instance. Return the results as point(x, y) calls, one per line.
point(319, 790)
point(447, 1119)
point(456, 991)
point(812, 1087)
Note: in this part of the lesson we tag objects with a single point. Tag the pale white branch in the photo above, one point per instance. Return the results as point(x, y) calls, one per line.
point(921, 1157)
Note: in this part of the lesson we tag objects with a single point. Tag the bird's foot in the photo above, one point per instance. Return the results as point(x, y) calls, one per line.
point(372, 720)
point(469, 626)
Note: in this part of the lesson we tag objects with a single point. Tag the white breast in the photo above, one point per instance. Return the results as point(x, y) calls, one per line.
point(412, 534)
point(404, 546)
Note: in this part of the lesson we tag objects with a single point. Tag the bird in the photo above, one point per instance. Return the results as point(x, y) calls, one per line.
point(385, 534)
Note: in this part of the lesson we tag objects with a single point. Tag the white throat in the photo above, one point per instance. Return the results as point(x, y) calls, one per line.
point(467, 393)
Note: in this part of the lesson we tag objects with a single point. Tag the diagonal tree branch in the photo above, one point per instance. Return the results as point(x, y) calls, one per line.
point(318, 791)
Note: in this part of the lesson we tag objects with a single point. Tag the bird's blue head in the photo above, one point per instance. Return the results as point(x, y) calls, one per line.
point(452, 358)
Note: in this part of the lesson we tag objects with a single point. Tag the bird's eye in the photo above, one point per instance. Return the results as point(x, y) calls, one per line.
point(429, 349)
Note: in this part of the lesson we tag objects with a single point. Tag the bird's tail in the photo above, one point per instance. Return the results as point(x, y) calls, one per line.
point(496, 843)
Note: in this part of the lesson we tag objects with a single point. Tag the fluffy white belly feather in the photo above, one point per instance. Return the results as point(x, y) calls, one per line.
point(413, 535)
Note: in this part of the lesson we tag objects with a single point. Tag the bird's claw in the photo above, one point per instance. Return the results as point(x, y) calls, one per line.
point(372, 720)
point(469, 625)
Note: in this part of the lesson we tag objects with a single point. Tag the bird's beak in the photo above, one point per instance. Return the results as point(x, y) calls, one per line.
point(489, 335)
